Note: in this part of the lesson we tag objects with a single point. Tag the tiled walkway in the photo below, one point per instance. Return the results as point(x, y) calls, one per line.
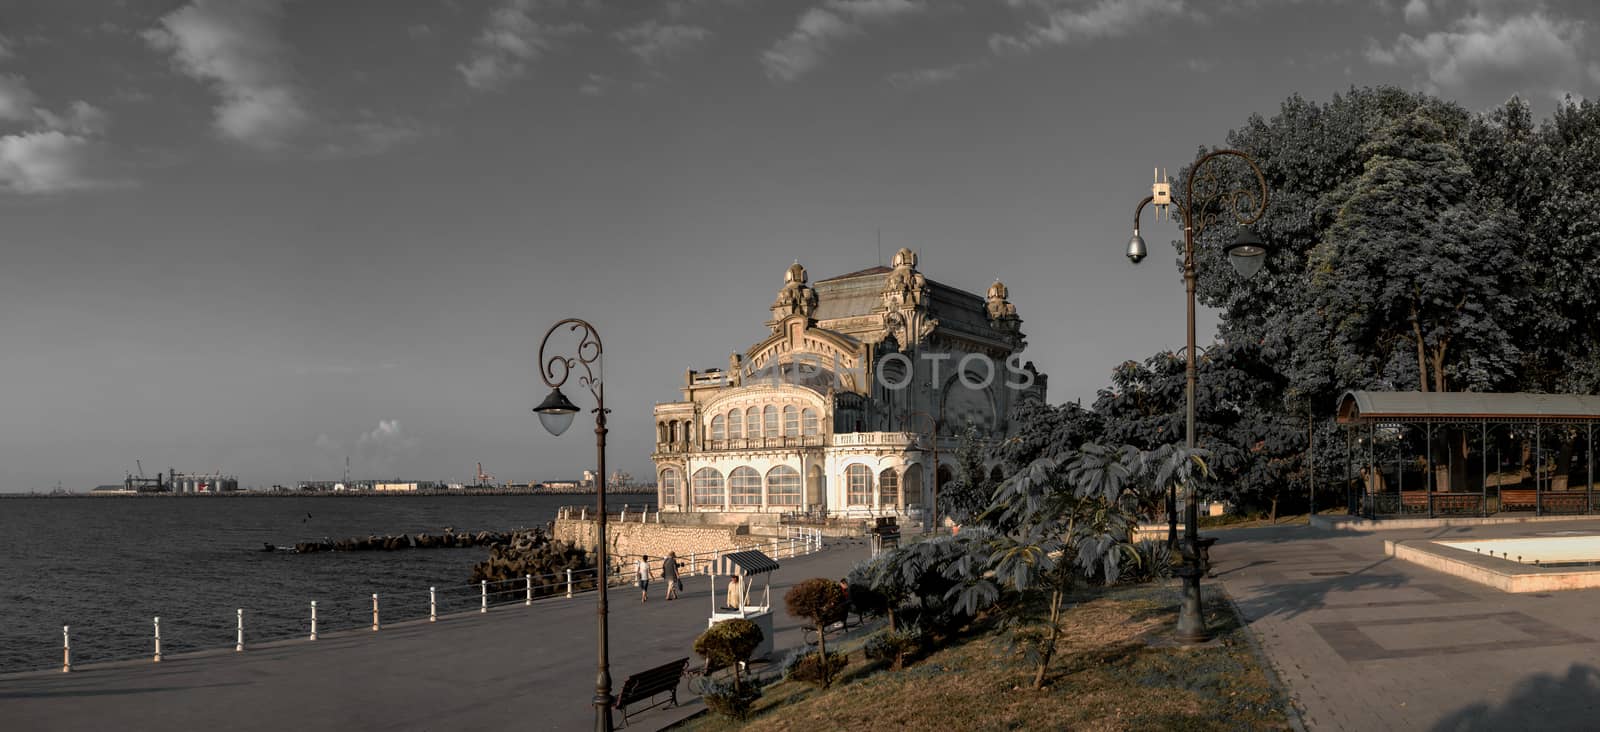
point(1366, 642)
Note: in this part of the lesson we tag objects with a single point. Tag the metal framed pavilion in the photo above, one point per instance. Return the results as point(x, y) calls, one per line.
point(1443, 442)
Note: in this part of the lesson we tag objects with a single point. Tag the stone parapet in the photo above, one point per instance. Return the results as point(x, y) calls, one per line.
point(631, 539)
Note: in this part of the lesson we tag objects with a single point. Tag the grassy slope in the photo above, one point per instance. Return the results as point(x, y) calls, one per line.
point(1107, 676)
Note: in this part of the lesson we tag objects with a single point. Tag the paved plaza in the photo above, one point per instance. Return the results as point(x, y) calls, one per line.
point(513, 668)
point(1368, 642)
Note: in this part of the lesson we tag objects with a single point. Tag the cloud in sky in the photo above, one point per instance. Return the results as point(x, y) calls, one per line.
point(1529, 53)
point(821, 28)
point(51, 152)
point(236, 46)
point(1066, 23)
point(510, 40)
point(653, 42)
point(917, 78)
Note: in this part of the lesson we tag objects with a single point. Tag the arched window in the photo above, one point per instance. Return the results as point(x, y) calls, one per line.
point(770, 421)
point(707, 488)
point(783, 486)
point(791, 421)
point(717, 428)
point(752, 422)
point(735, 425)
point(888, 489)
point(661, 432)
point(858, 485)
point(744, 487)
point(808, 422)
point(674, 432)
point(671, 483)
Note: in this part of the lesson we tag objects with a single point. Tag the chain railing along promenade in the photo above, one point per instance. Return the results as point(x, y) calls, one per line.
point(101, 642)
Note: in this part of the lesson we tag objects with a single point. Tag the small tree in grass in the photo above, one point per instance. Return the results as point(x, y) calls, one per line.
point(729, 643)
point(822, 602)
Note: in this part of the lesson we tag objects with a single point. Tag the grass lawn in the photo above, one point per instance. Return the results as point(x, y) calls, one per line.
point(1107, 675)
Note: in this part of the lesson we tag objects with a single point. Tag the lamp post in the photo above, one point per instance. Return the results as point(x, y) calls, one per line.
point(1246, 253)
point(935, 423)
point(556, 413)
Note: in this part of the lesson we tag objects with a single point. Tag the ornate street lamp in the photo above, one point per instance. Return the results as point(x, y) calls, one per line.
point(556, 413)
point(1247, 252)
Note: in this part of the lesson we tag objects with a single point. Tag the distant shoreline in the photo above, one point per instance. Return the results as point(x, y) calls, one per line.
point(632, 491)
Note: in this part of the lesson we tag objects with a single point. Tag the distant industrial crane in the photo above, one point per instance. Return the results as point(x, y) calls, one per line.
point(140, 465)
point(484, 478)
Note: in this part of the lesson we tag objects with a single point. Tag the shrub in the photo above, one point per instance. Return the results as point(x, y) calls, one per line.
point(727, 699)
point(1155, 561)
point(809, 668)
point(728, 644)
point(823, 603)
point(894, 647)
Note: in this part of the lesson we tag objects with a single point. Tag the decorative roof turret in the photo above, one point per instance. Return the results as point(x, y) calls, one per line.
point(796, 298)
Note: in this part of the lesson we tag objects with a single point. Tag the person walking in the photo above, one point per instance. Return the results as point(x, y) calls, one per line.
point(669, 575)
point(642, 567)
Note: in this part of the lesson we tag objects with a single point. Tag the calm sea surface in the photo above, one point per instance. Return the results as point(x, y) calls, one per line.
point(108, 566)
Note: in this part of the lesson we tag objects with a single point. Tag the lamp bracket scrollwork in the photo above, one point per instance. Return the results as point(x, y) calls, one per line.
point(1209, 196)
point(556, 369)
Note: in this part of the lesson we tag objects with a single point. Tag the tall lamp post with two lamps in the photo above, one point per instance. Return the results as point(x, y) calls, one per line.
point(936, 423)
point(1247, 253)
point(556, 413)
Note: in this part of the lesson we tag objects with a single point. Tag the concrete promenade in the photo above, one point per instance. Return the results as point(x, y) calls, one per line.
point(1368, 642)
point(515, 667)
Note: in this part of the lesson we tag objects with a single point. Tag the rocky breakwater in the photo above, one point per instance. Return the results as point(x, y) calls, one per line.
point(533, 553)
point(449, 539)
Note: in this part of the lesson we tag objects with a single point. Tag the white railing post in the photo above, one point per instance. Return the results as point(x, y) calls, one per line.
point(644, 516)
point(238, 639)
point(583, 514)
point(792, 549)
point(569, 584)
point(158, 639)
point(313, 620)
point(66, 650)
point(528, 579)
point(693, 556)
point(483, 595)
point(433, 605)
point(374, 611)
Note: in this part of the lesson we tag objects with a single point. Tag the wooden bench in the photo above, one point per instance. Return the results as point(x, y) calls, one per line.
point(1518, 499)
point(648, 684)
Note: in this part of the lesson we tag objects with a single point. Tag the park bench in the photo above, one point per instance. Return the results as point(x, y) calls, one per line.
point(1518, 499)
point(648, 684)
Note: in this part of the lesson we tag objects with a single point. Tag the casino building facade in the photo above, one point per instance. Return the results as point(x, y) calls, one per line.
point(833, 413)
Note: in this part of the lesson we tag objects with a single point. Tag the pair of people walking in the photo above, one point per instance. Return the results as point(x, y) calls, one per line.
point(669, 575)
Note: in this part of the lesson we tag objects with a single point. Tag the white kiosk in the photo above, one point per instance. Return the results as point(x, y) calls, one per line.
point(746, 565)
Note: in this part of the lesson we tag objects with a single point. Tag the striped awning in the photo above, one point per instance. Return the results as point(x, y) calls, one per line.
point(746, 562)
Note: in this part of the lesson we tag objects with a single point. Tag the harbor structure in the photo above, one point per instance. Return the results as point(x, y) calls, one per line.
point(830, 413)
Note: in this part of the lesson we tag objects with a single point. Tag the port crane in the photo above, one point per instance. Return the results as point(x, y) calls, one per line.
point(483, 478)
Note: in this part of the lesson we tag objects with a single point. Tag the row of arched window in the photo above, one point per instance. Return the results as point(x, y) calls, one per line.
point(744, 487)
point(765, 421)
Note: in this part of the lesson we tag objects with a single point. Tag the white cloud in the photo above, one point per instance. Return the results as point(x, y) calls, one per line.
point(510, 40)
point(1065, 24)
point(81, 117)
point(653, 42)
point(5, 47)
point(917, 78)
point(16, 99)
point(379, 448)
point(1416, 12)
point(820, 28)
point(49, 161)
point(369, 136)
point(235, 45)
point(1528, 53)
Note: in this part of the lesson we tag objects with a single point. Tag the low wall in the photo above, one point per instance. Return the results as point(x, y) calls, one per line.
point(654, 539)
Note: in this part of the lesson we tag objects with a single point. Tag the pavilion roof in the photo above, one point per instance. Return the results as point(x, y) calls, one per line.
point(1401, 406)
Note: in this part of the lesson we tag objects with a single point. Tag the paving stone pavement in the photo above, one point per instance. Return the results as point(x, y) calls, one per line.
point(1368, 642)
point(514, 667)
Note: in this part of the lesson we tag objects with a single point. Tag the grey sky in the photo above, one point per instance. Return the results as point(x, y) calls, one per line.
point(258, 236)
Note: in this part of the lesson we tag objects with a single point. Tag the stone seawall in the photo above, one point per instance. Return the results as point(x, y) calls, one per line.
point(630, 539)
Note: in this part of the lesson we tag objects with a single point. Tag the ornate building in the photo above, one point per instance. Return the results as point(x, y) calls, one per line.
point(833, 412)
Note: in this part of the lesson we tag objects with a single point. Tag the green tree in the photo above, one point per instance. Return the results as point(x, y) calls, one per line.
point(729, 643)
point(823, 603)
